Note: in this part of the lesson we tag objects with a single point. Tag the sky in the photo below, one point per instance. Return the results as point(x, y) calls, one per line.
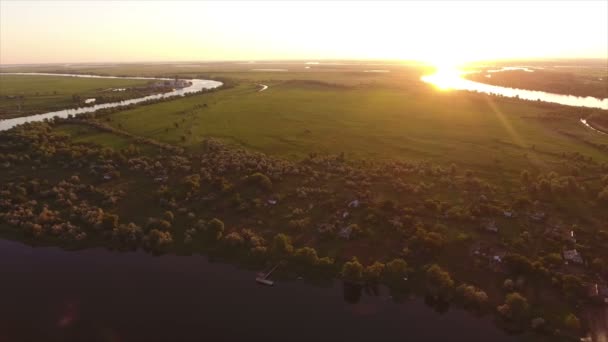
point(434, 32)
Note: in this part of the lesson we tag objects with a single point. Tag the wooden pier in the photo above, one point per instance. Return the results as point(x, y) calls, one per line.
point(262, 277)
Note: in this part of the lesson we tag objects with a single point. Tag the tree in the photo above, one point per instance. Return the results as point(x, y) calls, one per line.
point(281, 245)
point(518, 263)
point(440, 282)
point(234, 240)
point(472, 295)
point(215, 229)
point(109, 221)
point(260, 180)
point(128, 234)
point(396, 269)
point(572, 286)
point(373, 272)
point(572, 322)
point(168, 215)
point(352, 270)
point(306, 256)
point(158, 239)
point(515, 307)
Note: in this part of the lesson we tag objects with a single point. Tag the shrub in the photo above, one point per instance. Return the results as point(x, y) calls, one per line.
point(572, 322)
point(352, 270)
point(281, 246)
point(306, 256)
point(373, 272)
point(396, 269)
point(440, 282)
point(215, 229)
point(472, 295)
point(516, 307)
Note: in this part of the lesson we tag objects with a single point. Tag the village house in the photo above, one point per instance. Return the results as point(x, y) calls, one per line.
point(538, 216)
point(572, 256)
point(598, 292)
point(345, 232)
point(354, 204)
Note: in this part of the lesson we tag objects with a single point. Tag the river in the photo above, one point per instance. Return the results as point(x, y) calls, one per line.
point(196, 85)
point(452, 79)
point(99, 295)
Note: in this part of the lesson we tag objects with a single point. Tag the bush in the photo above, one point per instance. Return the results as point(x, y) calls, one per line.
point(352, 270)
point(440, 282)
point(396, 270)
point(158, 239)
point(215, 229)
point(261, 180)
point(234, 240)
point(516, 307)
point(472, 295)
point(572, 322)
point(373, 272)
point(306, 256)
point(281, 246)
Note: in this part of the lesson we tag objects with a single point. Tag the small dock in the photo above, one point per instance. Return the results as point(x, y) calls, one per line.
point(262, 277)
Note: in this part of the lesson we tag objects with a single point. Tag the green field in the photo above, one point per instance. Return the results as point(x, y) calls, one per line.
point(48, 93)
point(295, 118)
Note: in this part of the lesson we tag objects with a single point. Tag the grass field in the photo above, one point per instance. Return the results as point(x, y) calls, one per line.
point(295, 118)
point(48, 93)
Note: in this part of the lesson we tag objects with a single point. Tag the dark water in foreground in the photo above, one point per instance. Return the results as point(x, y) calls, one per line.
point(98, 295)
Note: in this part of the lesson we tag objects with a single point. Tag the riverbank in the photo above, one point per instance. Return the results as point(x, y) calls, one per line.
point(194, 86)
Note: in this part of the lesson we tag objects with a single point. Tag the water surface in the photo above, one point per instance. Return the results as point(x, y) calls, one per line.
point(100, 295)
point(455, 81)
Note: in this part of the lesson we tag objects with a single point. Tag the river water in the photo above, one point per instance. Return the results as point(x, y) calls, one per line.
point(197, 85)
point(99, 295)
point(453, 80)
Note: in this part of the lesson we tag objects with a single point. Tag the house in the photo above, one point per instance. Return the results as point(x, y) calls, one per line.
point(538, 216)
point(107, 177)
point(345, 232)
point(508, 214)
point(572, 256)
point(89, 101)
point(161, 179)
point(354, 204)
point(598, 292)
point(571, 236)
point(272, 201)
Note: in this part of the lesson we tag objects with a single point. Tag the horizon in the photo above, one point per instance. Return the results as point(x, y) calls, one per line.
point(286, 61)
point(452, 33)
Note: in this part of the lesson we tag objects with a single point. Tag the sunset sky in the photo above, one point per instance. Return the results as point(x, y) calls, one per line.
point(435, 32)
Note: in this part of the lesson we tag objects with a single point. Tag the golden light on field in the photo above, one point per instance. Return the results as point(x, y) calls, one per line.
point(90, 31)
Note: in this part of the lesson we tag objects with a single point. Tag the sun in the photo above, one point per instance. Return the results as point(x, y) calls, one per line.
point(447, 74)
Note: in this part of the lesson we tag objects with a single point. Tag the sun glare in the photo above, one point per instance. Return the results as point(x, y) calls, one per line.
point(445, 77)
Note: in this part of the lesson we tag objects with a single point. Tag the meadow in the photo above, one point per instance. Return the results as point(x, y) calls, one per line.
point(294, 118)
